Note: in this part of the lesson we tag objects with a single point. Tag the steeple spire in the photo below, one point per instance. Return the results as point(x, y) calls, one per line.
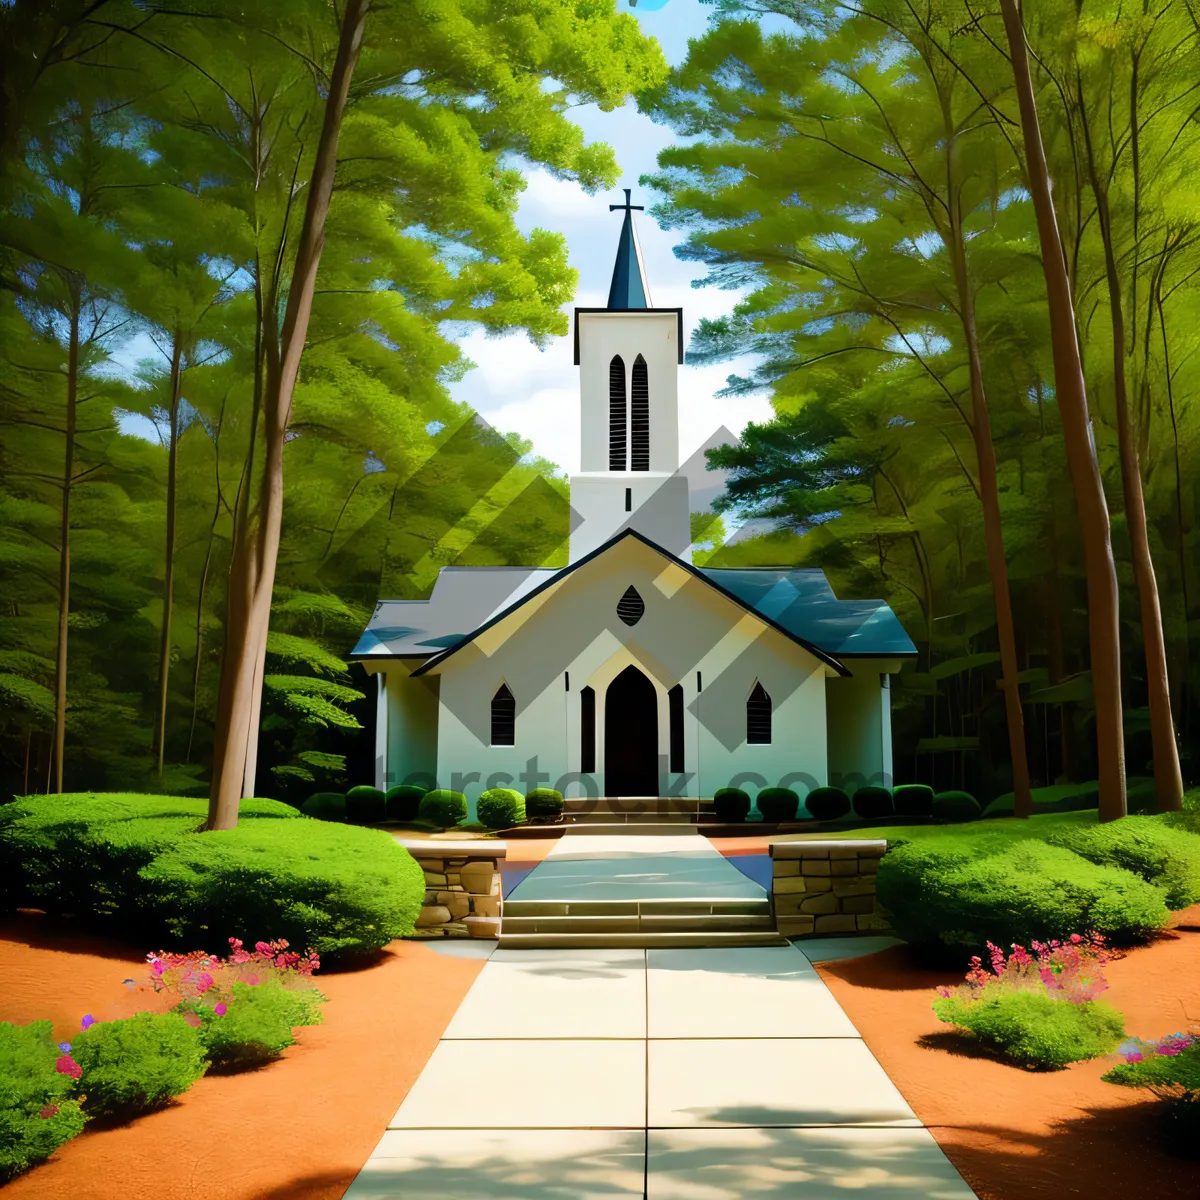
point(628, 288)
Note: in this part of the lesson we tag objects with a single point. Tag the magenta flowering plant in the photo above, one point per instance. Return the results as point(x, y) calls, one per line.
point(204, 980)
point(1071, 970)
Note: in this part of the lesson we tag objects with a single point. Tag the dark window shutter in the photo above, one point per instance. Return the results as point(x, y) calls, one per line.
point(631, 606)
point(675, 709)
point(758, 717)
point(616, 414)
point(587, 730)
point(504, 718)
point(639, 418)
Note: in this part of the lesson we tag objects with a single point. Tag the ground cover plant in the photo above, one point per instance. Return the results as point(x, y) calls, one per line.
point(1042, 1009)
point(138, 1064)
point(38, 1111)
point(140, 865)
point(1169, 1068)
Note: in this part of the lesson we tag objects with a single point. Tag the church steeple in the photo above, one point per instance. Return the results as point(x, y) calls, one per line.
point(628, 288)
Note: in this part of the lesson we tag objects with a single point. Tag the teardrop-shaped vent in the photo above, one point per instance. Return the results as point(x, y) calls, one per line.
point(631, 606)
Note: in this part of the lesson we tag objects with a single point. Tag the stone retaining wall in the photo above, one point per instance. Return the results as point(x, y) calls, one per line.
point(826, 887)
point(462, 891)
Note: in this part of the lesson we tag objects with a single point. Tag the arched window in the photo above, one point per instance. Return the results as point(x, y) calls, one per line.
point(504, 717)
point(616, 414)
point(758, 717)
point(587, 730)
point(675, 711)
point(639, 418)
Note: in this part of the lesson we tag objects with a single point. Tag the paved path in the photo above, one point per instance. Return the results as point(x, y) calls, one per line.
point(696, 1074)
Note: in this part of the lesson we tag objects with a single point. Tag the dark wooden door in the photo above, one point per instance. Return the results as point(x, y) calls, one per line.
point(631, 736)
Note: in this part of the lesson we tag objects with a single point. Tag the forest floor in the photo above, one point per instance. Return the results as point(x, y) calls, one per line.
point(1016, 1134)
point(297, 1129)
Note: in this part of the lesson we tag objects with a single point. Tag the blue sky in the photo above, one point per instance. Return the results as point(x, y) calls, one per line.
point(535, 393)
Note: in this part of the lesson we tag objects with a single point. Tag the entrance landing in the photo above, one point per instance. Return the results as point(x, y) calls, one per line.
point(596, 867)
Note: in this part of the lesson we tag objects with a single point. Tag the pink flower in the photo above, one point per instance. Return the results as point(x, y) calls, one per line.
point(51, 1110)
point(220, 1010)
point(203, 983)
point(66, 1065)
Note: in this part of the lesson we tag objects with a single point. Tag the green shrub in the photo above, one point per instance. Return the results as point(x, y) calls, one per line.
point(1174, 1078)
point(29, 1087)
point(827, 803)
point(443, 808)
point(1161, 855)
point(137, 1064)
point(1036, 1029)
point(336, 890)
point(731, 805)
point(402, 803)
point(257, 1024)
point(777, 804)
point(543, 802)
point(871, 803)
point(941, 894)
point(501, 808)
point(956, 806)
point(325, 806)
point(913, 800)
point(82, 853)
point(365, 805)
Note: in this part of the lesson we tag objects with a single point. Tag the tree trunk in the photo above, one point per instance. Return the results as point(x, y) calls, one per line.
point(64, 556)
point(989, 491)
point(1168, 780)
point(1071, 394)
point(252, 573)
point(164, 650)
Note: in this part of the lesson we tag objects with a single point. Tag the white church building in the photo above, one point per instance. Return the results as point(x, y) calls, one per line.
point(632, 672)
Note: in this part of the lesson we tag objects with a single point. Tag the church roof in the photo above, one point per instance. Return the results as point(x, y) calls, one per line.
point(467, 600)
point(628, 288)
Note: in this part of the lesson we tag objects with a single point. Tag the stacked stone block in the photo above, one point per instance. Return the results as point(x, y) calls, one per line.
point(462, 893)
point(826, 887)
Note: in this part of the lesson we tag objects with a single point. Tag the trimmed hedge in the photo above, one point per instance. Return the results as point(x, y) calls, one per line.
point(345, 891)
point(365, 805)
point(827, 803)
point(138, 1064)
point(1036, 1029)
point(731, 805)
point(872, 802)
point(81, 852)
point(443, 807)
point(142, 861)
point(913, 800)
point(403, 802)
point(543, 802)
point(29, 1087)
point(1161, 855)
point(326, 806)
point(943, 896)
point(501, 808)
point(956, 806)
point(777, 804)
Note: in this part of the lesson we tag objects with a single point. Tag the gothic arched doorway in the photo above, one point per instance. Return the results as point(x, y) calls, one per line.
point(631, 736)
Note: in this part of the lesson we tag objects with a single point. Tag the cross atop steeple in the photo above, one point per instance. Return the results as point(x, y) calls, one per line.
point(628, 288)
point(626, 206)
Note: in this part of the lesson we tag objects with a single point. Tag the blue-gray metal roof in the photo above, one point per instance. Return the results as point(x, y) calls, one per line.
point(800, 601)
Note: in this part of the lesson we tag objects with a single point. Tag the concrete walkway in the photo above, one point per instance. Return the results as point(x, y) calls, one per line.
point(668, 1074)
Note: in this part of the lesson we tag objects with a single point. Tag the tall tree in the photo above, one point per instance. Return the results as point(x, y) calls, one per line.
point(1071, 395)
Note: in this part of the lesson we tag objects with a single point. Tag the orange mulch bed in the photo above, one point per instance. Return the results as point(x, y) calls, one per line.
point(1016, 1134)
point(297, 1129)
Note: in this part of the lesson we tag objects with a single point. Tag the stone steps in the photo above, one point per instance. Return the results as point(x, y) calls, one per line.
point(638, 806)
point(699, 921)
point(650, 826)
point(644, 940)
